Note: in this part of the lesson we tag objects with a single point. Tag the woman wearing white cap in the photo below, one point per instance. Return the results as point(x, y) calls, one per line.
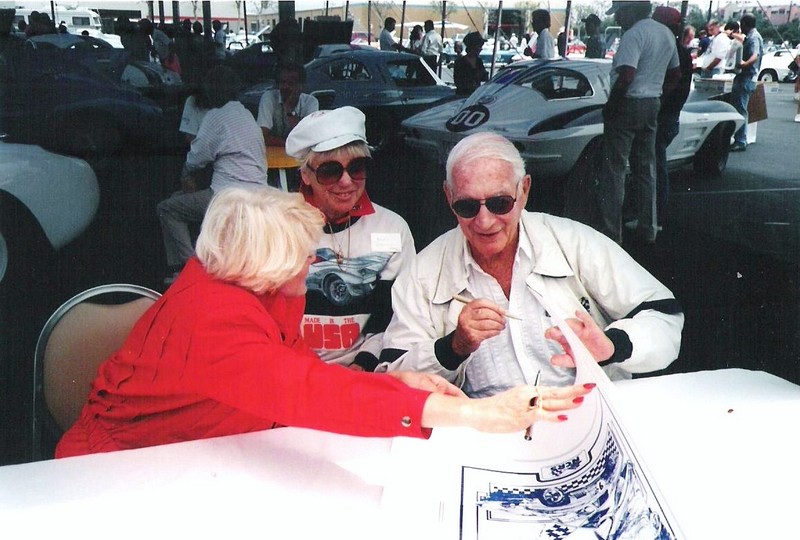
point(364, 245)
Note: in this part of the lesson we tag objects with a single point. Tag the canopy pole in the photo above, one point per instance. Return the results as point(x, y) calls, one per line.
point(402, 21)
point(496, 37)
point(564, 47)
point(444, 13)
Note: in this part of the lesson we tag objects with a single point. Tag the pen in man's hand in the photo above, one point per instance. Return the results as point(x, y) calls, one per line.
point(465, 300)
point(534, 403)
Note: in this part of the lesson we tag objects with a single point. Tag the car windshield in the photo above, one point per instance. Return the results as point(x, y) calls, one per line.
point(347, 69)
point(410, 72)
point(557, 84)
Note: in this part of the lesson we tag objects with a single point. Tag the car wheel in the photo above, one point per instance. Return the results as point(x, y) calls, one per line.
point(335, 290)
point(580, 199)
point(712, 158)
point(768, 75)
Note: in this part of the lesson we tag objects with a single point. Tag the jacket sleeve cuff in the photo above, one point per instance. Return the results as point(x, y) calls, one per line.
point(443, 349)
point(623, 348)
point(366, 360)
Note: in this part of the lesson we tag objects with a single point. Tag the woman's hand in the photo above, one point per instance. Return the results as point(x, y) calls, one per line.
point(507, 412)
point(592, 336)
point(428, 381)
point(511, 411)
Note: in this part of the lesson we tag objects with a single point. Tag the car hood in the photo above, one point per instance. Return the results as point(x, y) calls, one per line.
point(60, 191)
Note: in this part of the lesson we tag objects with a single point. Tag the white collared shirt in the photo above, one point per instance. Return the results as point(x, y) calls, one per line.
point(520, 351)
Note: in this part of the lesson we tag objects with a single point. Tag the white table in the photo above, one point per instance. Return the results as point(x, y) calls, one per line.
point(720, 444)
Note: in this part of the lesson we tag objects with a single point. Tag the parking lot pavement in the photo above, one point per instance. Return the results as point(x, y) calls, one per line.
point(729, 253)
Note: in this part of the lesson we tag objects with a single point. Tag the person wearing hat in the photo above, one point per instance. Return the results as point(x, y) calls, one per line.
point(363, 247)
point(595, 46)
point(645, 65)
point(469, 71)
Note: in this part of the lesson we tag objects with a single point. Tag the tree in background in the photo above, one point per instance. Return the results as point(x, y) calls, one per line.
point(449, 9)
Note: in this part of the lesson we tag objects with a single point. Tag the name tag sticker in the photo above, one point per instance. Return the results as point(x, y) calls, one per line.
point(386, 242)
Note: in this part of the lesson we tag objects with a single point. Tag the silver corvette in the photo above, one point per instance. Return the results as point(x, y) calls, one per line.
point(552, 111)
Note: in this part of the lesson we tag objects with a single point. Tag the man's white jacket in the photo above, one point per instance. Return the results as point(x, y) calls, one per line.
point(575, 268)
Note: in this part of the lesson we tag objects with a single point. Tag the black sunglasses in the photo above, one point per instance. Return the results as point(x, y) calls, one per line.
point(469, 208)
point(330, 172)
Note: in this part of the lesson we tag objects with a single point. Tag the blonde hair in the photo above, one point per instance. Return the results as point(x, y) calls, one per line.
point(258, 237)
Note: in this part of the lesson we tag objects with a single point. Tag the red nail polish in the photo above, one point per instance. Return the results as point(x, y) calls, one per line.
point(589, 385)
point(562, 417)
point(578, 399)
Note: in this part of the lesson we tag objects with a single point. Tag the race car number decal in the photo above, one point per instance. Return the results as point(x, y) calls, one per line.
point(468, 118)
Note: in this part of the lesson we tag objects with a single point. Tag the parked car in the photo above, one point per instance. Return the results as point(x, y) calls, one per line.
point(46, 201)
point(552, 111)
point(67, 103)
point(254, 64)
point(387, 86)
point(775, 67)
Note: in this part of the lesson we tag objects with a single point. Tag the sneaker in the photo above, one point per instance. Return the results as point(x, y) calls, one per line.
point(797, 118)
point(738, 147)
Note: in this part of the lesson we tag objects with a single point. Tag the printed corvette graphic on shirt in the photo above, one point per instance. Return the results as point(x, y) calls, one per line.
point(341, 282)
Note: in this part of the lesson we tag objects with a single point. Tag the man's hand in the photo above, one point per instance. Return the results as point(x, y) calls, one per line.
point(592, 336)
point(428, 381)
point(478, 321)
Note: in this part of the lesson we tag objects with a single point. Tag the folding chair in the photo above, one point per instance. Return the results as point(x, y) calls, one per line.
point(74, 341)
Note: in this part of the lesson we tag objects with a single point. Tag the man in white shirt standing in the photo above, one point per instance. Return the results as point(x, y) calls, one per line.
point(645, 64)
point(545, 44)
point(432, 45)
point(714, 58)
point(386, 39)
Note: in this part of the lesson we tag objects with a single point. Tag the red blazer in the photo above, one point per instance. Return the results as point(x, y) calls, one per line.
point(211, 358)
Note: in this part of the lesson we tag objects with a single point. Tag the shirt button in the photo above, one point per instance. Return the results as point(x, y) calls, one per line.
point(406, 421)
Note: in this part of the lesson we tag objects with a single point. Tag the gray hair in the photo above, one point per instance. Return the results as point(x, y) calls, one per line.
point(480, 146)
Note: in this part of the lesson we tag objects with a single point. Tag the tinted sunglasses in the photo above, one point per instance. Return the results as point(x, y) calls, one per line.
point(469, 208)
point(330, 172)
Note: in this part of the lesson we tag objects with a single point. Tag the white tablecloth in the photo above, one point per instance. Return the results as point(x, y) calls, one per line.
point(720, 445)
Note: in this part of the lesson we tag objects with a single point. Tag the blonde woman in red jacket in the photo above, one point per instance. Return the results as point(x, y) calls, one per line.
point(220, 353)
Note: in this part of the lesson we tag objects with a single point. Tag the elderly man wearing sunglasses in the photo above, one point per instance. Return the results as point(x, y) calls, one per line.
point(474, 306)
point(348, 304)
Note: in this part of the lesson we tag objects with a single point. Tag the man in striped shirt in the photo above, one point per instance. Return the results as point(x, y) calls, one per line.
point(228, 138)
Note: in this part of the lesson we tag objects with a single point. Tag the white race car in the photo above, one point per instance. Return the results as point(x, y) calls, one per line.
point(552, 111)
point(46, 201)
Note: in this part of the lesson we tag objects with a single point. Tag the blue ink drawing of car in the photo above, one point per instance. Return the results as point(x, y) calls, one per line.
point(341, 282)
